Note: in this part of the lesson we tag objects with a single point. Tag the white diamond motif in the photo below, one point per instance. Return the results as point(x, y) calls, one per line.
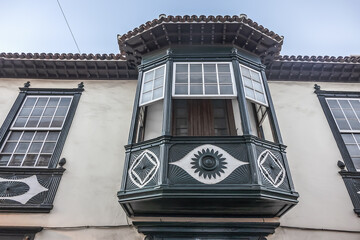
point(276, 174)
point(143, 169)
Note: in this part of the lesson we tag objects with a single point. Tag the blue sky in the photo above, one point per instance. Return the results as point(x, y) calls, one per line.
point(316, 27)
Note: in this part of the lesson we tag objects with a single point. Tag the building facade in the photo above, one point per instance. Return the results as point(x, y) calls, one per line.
point(198, 129)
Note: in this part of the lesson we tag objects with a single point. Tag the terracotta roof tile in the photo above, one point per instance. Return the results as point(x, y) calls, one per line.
point(332, 59)
point(62, 56)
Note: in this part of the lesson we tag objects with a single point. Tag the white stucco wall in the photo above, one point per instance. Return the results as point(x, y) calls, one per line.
point(312, 154)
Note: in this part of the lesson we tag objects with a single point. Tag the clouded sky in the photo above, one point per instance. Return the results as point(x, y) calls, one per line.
point(310, 27)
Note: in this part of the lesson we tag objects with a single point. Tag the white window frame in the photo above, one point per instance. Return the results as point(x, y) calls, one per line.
point(152, 89)
point(266, 104)
point(204, 96)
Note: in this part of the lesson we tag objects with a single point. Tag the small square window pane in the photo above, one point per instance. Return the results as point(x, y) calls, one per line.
point(344, 104)
point(181, 78)
point(211, 90)
point(42, 101)
point(40, 136)
point(53, 102)
point(342, 124)
point(338, 113)
point(353, 150)
point(245, 72)
point(149, 76)
point(4, 159)
point(22, 147)
point(9, 147)
point(356, 162)
point(159, 72)
point(223, 68)
point(349, 113)
point(65, 102)
point(147, 86)
point(354, 124)
point(209, 68)
point(45, 122)
point(29, 102)
point(61, 111)
point(249, 93)
point(260, 97)
point(16, 160)
point(196, 89)
point(35, 147)
point(57, 122)
point(52, 136)
point(210, 78)
point(158, 93)
point(348, 138)
point(357, 137)
point(333, 103)
point(195, 68)
point(181, 89)
point(14, 136)
point(25, 112)
point(195, 78)
point(146, 97)
point(20, 122)
point(224, 78)
point(258, 86)
point(248, 82)
point(181, 68)
point(48, 147)
point(226, 89)
point(37, 111)
point(158, 82)
point(27, 136)
point(30, 160)
point(255, 76)
point(33, 122)
point(49, 111)
point(43, 160)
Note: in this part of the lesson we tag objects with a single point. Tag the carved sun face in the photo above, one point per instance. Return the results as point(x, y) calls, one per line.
point(209, 164)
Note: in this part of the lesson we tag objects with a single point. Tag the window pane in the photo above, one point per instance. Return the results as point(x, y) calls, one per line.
point(159, 72)
point(15, 135)
point(61, 111)
point(25, 112)
point(211, 89)
point(27, 136)
point(181, 89)
point(30, 160)
point(37, 111)
point(49, 111)
point(65, 102)
point(16, 160)
point(57, 122)
point(4, 159)
point(333, 103)
point(195, 68)
point(40, 136)
point(245, 72)
point(146, 97)
point(33, 122)
point(48, 147)
point(158, 93)
point(9, 147)
point(356, 162)
point(210, 78)
point(249, 92)
point(353, 150)
point(181, 78)
point(43, 160)
point(223, 68)
point(226, 89)
point(196, 89)
point(45, 122)
point(52, 136)
point(22, 147)
point(35, 147)
point(20, 122)
point(195, 78)
point(344, 104)
point(257, 86)
point(29, 102)
point(158, 82)
point(255, 76)
point(259, 96)
point(181, 68)
point(42, 101)
point(357, 137)
point(354, 124)
point(53, 101)
point(149, 76)
point(338, 113)
point(348, 138)
point(247, 82)
point(209, 68)
point(147, 86)
point(343, 125)
point(224, 78)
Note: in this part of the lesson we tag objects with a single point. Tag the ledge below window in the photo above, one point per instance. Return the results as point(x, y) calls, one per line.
point(352, 183)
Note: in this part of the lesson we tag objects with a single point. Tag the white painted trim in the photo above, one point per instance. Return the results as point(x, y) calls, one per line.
point(152, 88)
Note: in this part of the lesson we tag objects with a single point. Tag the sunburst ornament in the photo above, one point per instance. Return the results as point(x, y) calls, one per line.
point(209, 164)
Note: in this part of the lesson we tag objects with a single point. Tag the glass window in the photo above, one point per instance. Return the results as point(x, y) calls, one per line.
point(253, 85)
point(34, 133)
point(203, 79)
point(152, 88)
point(346, 113)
